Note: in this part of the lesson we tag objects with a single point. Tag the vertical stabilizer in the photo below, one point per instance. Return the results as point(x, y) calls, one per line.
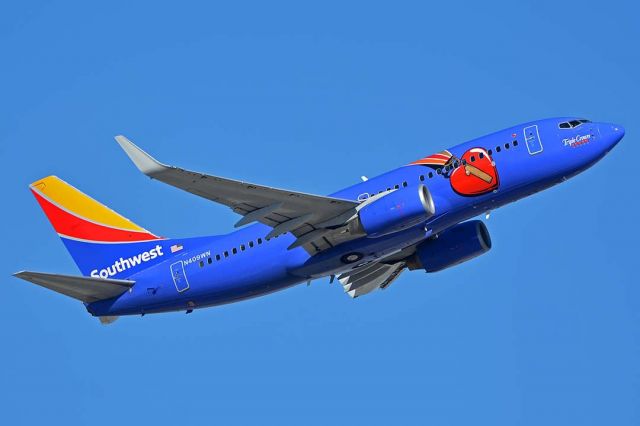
point(102, 242)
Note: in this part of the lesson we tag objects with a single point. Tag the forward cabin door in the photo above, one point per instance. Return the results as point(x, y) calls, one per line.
point(532, 139)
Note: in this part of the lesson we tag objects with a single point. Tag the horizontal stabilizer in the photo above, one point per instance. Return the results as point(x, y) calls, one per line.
point(86, 289)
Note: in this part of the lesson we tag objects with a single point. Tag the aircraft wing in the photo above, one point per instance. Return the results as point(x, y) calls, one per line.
point(86, 289)
point(368, 278)
point(317, 221)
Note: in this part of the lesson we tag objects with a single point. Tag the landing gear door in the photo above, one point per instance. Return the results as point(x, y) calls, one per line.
point(179, 277)
point(532, 139)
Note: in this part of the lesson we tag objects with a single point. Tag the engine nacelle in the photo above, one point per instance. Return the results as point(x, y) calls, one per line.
point(396, 211)
point(455, 245)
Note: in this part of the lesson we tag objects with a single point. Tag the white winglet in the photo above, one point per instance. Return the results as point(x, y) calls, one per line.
point(143, 161)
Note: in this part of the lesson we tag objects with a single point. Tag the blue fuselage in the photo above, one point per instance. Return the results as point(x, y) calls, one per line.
point(517, 162)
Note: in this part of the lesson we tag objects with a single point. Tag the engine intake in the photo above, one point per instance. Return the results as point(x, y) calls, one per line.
point(456, 245)
point(396, 211)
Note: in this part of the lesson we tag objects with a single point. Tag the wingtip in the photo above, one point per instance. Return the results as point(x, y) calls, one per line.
point(143, 161)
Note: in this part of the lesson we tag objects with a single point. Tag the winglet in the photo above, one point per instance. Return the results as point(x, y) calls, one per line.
point(143, 161)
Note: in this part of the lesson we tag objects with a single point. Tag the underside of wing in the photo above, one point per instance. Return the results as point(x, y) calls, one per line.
point(318, 222)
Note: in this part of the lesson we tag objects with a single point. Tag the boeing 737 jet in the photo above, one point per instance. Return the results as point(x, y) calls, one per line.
point(416, 217)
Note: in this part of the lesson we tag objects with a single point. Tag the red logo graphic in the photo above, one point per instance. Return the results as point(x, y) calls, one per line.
point(476, 175)
point(473, 174)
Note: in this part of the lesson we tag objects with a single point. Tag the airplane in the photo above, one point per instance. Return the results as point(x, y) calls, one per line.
point(416, 217)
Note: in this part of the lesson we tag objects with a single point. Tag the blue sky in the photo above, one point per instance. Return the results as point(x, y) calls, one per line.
point(545, 329)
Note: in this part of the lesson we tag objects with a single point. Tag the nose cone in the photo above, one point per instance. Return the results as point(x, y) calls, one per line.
point(612, 134)
point(618, 130)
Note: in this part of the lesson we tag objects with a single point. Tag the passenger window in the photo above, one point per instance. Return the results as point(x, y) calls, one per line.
point(259, 240)
point(217, 257)
point(430, 175)
point(201, 263)
point(234, 250)
point(404, 184)
point(421, 177)
point(464, 162)
point(497, 149)
point(473, 158)
point(209, 260)
point(515, 143)
point(250, 244)
point(490, 152)
point(396, 186)
point(226, 254)
point(506, 145)
point(242, 247)
point(481, 155)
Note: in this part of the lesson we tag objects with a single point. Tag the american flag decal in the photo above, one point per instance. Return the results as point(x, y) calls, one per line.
point(439, 159)
point(176, 247)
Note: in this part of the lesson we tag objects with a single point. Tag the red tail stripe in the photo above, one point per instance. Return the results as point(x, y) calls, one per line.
point(75, 227)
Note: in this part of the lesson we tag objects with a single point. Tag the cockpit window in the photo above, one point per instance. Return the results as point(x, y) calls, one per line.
point(572, 124)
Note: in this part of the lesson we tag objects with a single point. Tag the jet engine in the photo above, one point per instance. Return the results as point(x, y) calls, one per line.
point(458, 244)
point(395, 211)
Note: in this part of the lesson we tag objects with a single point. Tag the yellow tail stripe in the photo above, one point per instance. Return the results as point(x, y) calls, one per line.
point(69, 198)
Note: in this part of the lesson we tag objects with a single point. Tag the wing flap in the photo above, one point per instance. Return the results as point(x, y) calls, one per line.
point(370, 277)
point(85, 289)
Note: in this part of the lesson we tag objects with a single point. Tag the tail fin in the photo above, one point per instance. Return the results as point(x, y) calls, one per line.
point(102, 242)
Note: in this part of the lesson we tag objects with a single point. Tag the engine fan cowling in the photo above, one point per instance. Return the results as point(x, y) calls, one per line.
point(396, 211)
point(456, 245)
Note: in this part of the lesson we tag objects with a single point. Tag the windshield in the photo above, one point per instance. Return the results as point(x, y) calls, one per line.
point(573, 123)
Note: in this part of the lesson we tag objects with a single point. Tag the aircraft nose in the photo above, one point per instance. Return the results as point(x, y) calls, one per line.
point(618, 130)
point(613, 133)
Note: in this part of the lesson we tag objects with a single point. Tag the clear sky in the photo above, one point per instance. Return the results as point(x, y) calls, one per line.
point(543, 330)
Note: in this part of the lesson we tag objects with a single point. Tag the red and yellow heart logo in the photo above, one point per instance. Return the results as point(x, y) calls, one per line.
point(477, 175)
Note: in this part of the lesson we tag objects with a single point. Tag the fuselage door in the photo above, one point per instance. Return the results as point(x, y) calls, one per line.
point(532, 139)
point(179, 277)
